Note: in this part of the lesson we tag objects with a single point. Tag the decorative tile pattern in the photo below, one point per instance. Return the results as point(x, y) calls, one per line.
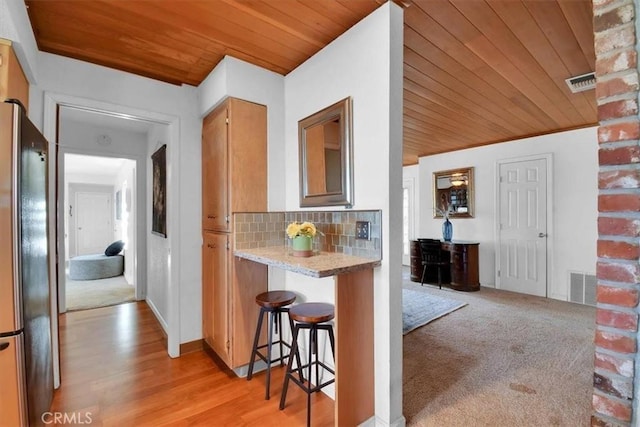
point(267, 229)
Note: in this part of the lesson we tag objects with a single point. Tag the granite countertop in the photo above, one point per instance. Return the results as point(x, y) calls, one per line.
point(321, 264)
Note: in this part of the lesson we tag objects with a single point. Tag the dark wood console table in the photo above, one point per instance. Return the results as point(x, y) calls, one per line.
point(463, 275)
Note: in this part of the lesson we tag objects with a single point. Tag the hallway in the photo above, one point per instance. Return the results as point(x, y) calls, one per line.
point(116, 372)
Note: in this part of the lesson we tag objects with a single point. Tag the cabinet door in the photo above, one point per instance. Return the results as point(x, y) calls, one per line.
point(215, 162)
point(247, 131)
point(459, 265)
point(215, 261)
point(13, 83)
point(207, 288)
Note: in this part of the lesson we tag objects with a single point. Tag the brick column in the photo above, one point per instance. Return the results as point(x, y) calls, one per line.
point(618, 268)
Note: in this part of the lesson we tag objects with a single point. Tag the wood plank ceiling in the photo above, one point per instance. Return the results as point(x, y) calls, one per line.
point(476, 72)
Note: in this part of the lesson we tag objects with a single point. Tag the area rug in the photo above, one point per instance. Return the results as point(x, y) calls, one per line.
point(420, 308)
point(86, 294)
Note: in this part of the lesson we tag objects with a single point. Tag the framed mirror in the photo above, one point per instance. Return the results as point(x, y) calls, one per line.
point(453, 193)
point(326, 159)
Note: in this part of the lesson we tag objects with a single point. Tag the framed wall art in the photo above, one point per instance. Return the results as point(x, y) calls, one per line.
point(159, 197)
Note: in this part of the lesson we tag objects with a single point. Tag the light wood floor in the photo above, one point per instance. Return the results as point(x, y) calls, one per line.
point(115, 370)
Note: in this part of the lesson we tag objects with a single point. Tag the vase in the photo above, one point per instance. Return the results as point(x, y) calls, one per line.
point(447, 230)
point(302, 246)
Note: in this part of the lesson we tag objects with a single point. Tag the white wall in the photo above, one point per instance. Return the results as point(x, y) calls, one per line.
point(411, 174)
point(159, 248)
point(364, 63)
point(125, 181)
point(573, 218)
point(78, 136)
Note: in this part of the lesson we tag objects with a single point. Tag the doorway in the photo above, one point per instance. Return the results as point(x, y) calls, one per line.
point(522, 225)
point(99, 209)
point(161, 125)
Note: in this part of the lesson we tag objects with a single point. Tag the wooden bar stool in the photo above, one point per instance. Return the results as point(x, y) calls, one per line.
point(272, 303)
point(309, 316)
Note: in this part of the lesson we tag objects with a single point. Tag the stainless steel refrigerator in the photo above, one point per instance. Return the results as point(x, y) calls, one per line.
point(26, 367)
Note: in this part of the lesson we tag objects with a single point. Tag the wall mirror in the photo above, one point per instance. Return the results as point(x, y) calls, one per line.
point(453, 193)
point(326, 159)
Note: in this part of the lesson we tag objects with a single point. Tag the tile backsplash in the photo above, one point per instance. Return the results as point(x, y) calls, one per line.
point(266, 229)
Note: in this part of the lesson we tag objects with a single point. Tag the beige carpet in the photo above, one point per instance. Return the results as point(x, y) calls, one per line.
point(85, 294)
point(506, 359)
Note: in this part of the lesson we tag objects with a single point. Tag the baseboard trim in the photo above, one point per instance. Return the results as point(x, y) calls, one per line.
point(377, 422)
point(191, 347)
point(163, 324)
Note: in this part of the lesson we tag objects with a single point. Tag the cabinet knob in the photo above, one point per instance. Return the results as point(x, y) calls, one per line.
point(212, 216)
point(210, 246)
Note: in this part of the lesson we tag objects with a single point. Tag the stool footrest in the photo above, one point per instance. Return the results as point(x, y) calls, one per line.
point(264, 358)
point(313, 389)
point(305, 366)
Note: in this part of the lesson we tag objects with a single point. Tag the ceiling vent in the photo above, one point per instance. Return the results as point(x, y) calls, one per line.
point(582, 83)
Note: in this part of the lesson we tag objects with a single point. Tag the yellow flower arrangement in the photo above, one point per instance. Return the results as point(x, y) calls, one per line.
point(296, 229)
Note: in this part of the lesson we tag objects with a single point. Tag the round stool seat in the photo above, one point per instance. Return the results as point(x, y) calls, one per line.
point(312, 312)
point(275, 299)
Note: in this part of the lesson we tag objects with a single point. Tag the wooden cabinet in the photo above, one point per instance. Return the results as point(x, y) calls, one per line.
point(13, 83)
point(415, 260)
point(234, 179)
point(234, 162)
point(215, 262)
point(464, 272)
point(464, 265)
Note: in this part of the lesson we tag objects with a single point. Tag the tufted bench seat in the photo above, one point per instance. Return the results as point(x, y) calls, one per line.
point(96, 266)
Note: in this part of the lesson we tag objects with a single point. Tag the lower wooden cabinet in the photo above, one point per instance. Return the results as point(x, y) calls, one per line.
point(215, 294)
point(464, 272)
point(229, 311)
point(464, 265)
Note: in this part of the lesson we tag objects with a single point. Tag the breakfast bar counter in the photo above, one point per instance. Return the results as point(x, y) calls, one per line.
point(321, 264)
point(354, 324)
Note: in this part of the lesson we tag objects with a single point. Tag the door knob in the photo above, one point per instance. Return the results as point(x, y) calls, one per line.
point(541, 234)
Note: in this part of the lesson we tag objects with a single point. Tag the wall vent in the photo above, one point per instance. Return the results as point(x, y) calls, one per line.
point(581, 83)
point(582, 288)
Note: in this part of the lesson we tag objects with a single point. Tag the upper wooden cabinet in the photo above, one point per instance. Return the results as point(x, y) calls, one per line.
point(234, 162)
point(13, 83)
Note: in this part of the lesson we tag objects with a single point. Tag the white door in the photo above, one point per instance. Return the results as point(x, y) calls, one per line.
point(94, 226)
point(522, 242)
point(407, 218)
